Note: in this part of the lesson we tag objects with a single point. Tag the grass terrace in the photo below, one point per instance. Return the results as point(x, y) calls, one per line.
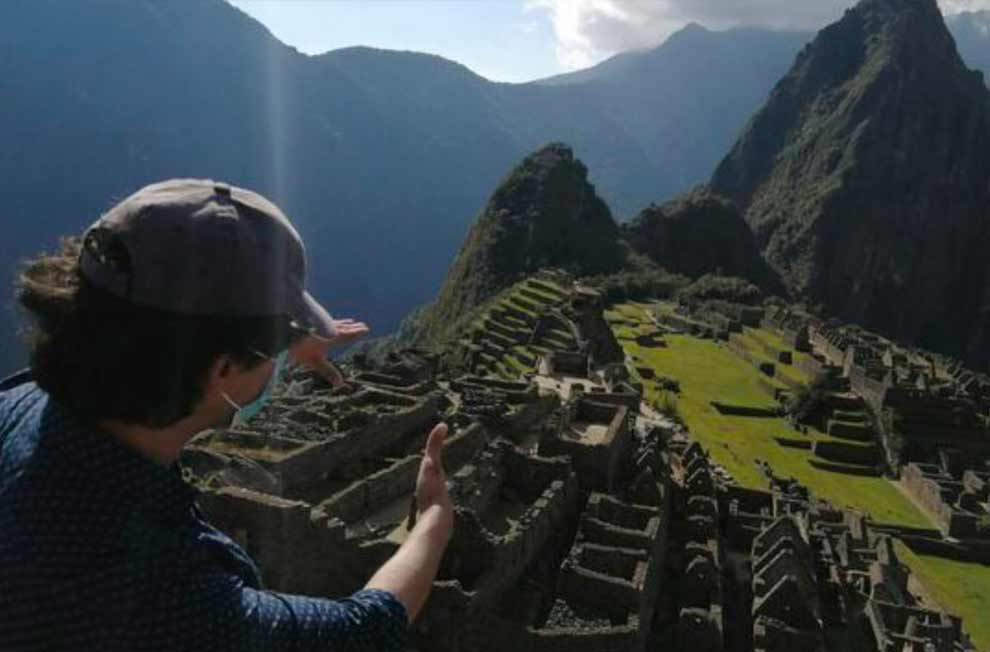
point(504, 329)
point(708, 371)
point(760, 341)
point(964, 586)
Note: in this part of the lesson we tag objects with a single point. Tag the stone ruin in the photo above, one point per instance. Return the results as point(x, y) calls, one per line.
point(710, 319)
point(584, 521)
point(805, 575)
point(546, 324)
point(911, 402)
point(923, 402)
point(558, 480)
point(955, 492)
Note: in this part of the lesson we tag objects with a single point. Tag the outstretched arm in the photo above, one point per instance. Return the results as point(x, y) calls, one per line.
point(409, 574)
point(220, 612)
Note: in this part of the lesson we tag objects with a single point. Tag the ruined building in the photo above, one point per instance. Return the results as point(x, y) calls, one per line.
point(585, 521)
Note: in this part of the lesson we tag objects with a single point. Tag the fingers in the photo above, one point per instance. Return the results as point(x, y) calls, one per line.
point(434, 443)
point(349, 324)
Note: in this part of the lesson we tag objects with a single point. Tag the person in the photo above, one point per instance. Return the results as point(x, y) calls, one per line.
point(174, 313)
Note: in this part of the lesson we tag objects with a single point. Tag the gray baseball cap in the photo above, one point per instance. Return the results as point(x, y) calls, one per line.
point(200, 247)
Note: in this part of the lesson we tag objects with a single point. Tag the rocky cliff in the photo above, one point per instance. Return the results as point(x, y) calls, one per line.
point(865, 178)
point(697, 234)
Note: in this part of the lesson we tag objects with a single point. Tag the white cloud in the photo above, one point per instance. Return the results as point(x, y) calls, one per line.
point(587, 31)
point(957, 6)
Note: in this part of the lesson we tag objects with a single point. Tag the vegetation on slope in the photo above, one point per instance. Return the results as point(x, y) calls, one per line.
point(958, 587)
point(697, 234)
point(722, 288)
point(500, 336)
point(864, 178)
point(544, 214)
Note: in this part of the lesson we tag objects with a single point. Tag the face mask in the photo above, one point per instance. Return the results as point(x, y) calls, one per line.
point(249, 410)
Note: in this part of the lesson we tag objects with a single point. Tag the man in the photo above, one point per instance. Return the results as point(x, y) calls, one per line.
point(174, 314)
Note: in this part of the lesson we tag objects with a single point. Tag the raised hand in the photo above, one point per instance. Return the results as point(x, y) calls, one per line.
point(314, 352)
point(409, 574)
point(431, 484)
point(348, 330)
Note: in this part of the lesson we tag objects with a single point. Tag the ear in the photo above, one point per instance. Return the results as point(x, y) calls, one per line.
point(219, 372)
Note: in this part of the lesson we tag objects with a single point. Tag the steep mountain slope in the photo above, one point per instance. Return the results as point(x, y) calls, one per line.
point(380, 157)
point(683, 100)
point(697, 234)
point(103, 97)
point(864, 178)
point(544, 214)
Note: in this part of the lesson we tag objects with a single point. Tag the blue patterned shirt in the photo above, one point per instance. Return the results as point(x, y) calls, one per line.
point(101, 549)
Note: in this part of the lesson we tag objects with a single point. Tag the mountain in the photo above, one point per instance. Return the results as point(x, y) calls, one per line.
point(544, 214)
point(697, 234)
point(380, 157)
point(864, 178)
point(683, 101)
point(103, 97)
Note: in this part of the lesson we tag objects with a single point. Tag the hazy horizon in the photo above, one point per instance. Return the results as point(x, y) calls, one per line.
point(548, 37)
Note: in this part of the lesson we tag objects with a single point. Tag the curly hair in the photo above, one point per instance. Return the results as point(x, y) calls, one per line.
point(105, 358)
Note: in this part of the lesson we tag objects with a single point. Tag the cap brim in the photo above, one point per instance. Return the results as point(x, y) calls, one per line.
point(314, 318)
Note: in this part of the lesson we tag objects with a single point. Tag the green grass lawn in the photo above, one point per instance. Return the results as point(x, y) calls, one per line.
point(708, 371)
point(770, 338)
point(751, 339)
point(960, 588)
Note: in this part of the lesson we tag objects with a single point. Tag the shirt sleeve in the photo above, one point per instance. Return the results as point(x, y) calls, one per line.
point(221, 613)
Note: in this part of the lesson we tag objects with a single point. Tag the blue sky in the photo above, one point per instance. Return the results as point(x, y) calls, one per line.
point(502, 40)
point(522, 40)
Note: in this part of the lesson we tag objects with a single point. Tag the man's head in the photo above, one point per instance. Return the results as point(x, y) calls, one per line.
point(181, 293)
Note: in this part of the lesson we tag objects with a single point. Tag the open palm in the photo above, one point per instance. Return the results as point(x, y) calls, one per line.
point(431, 484)
point(348, 330)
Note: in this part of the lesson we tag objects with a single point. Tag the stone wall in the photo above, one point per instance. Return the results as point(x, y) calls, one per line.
point(745, 410)
point(374, 491)
point(297, 551)
point(488, 562)
point(599, 464)
point(629, 399)
point(873, 390)
point(613, 568)
point(313, 461)
point(944, 497)
point(395, 383)
point(843, 453)
point(812, 366)
point(510, 391)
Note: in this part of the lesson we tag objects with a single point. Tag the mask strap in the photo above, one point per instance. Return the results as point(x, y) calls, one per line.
point(230, 401)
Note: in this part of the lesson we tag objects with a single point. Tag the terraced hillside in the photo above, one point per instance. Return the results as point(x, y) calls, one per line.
point(958, 587)
point(544, 214)
point(544, 315)
point(709, 371)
